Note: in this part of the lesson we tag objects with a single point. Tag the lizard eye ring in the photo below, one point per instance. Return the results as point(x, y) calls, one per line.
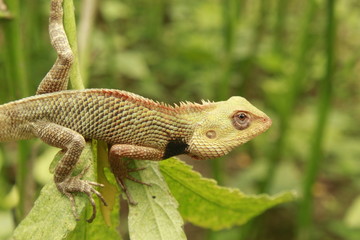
point(241, 120)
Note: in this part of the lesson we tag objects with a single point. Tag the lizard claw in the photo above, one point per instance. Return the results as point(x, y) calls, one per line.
point(76, 184)
point(122, 174)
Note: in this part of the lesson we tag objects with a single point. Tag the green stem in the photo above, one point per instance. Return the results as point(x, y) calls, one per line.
point(15, 59)
point(229, 19)
point(18, 86)
point(70, 29)
point(230, 16)
point(260, 26)
point(296, 85)
point(87, 18)
point(306, 205)
point(280, 22)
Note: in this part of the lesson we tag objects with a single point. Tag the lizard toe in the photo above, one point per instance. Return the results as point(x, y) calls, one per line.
point(75, 184)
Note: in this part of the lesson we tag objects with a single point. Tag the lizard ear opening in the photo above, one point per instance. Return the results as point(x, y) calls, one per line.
point(241, 120)
point(211, 134)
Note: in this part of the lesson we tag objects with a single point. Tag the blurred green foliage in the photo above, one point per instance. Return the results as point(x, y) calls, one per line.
point(296, 60)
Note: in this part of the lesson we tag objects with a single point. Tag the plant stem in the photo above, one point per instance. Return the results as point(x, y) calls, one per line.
point(260, 26)
point(18, 86)
point(87, 17)
point(15, 61)
point(229, 20)
point(306, 205)
point(70, 29)
point(280, 25)
point(296, 85)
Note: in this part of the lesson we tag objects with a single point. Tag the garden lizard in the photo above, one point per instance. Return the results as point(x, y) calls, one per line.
point(133, 126)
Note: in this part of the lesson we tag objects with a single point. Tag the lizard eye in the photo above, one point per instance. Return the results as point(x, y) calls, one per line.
point(241, 120)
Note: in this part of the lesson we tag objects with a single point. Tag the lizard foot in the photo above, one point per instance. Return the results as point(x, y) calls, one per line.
point(121, 174)
point(76, 184)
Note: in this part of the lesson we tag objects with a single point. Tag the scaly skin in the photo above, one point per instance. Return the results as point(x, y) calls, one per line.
point(119, 117)
point(133, 126)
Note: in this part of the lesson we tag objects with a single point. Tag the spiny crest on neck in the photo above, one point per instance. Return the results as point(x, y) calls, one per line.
point(184, 107)
point(192, 107)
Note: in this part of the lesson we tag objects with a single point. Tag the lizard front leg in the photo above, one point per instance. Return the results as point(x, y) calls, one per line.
point(72, 143)
point(57, 78)
point(120, 169)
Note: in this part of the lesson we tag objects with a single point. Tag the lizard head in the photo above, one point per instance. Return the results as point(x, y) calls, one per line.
point(224, 126)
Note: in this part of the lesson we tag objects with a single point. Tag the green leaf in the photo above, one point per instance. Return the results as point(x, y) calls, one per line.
point(156, 215)
point(52, 218)
point(98, 229)
point(204, 203)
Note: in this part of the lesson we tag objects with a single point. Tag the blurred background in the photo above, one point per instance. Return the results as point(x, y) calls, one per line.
point(296, 60)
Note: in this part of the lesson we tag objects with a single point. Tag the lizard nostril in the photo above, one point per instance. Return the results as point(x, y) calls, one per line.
point(267, 120)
